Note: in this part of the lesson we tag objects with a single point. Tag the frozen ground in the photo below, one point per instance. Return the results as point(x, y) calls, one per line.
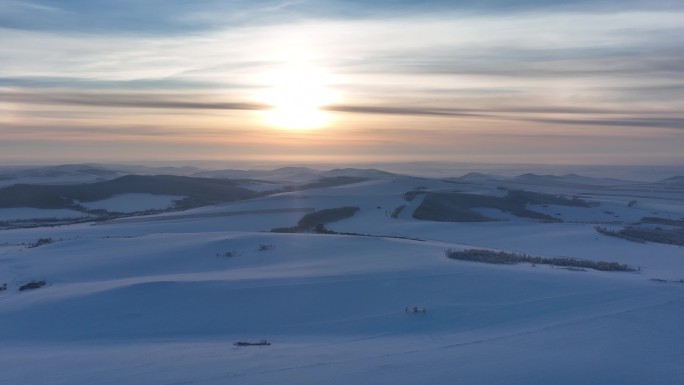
point(156, 300)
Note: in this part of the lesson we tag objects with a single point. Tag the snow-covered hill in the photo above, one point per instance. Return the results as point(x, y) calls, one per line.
point(80, 173)
point(161, 299)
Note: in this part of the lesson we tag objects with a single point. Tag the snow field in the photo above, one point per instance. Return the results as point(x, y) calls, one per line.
point(154, 300)
point(331, 305)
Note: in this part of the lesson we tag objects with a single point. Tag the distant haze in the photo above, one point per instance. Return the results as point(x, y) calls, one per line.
point(251, 170)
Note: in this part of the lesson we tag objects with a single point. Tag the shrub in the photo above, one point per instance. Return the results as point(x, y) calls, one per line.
point(673, 236)
point(32, 285)
point(265, 246)
point(40, 242)
point(315, 222)
point(397, 211)
point(326, 216)
point(502, 257)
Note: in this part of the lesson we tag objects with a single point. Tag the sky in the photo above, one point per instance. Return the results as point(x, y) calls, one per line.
point(493, 81)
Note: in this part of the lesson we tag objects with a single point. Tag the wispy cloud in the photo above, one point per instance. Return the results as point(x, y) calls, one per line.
point(139, 100)
point(156, 17)
point(495, 68)
point(667, 122)
point(579, 116)
point(85, 84)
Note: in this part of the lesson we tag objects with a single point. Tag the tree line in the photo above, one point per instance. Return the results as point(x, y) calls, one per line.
point(503, 257)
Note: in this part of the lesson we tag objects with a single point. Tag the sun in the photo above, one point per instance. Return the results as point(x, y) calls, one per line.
point(296, 95)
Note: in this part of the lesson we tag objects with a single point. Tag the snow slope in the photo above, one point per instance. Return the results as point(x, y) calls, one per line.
point(156, 300)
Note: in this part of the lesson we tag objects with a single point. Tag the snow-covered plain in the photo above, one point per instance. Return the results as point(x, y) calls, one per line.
point(155, 300)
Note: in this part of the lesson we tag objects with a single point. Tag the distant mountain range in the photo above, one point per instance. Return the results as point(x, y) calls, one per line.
point(88, 173)
point(198, 191)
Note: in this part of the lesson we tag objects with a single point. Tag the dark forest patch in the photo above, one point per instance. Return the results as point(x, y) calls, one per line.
point(460, 207)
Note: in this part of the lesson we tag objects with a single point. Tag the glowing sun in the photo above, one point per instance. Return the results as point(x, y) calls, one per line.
point(297, 95)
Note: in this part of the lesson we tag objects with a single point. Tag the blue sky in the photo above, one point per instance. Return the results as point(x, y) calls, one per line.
point(500, 80)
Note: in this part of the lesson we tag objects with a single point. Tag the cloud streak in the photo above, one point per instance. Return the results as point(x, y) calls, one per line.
point(573, 116)
point(139, 100)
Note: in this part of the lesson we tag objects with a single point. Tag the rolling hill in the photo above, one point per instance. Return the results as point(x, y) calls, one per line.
point(161, 299)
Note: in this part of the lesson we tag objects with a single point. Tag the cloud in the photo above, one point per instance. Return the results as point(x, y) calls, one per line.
point(106, 131)
point(576, 116)
point(665, 122)
point(532, 114)
point(131, 100)
point(100, 16)
point(164, 17)
point(494, 68)
point(80, 83)
point(390, 110)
